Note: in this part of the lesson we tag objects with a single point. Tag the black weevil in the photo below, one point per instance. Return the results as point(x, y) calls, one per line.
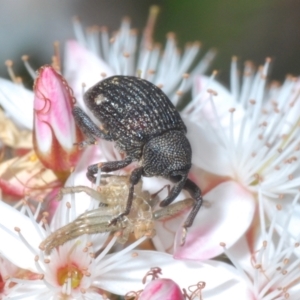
point(146, 126)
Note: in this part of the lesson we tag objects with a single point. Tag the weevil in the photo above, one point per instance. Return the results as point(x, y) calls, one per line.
point(110, 194)
point(145, 125)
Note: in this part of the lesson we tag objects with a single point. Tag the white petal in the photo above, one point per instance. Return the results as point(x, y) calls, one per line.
point(17, 102)
point(208, 152)
point(127, 276)
point(80, 202)
point(82, 66)
point(223, 101)
point(229, 215)
point(11, 246)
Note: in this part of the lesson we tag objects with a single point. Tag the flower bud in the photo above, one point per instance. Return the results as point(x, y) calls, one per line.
point(161, 288)
point(55, 131)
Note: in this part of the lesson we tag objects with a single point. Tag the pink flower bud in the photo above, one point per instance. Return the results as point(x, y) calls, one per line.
point(54, 132)
point(159, 289)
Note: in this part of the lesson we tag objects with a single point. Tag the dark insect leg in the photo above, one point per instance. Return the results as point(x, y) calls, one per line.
point(155, 199)
point(135, 176)
point(176, 189)
point(107, 167)
point(195, 192)
point(88, 127)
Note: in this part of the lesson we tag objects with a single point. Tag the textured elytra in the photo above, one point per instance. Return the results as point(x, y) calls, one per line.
point(132, 109)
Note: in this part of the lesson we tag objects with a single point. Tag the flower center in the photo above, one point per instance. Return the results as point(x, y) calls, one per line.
point(69, 272)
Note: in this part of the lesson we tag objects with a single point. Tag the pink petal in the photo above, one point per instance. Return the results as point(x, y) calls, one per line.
point(159, 289)
point(54, 127)
point(82, 66)
point(229, 215)
point(220, 278)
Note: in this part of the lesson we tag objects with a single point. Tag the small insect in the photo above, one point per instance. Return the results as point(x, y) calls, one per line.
point(110, 194)
point(146, 126)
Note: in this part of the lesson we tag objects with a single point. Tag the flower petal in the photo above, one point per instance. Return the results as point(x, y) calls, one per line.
point(161, 288)
point(54, 126)
point(128, 275)
point(82, 66)
point(229, 215)
point(12, 247)
point(80, 202)
point(208, 152)
point(17, 102)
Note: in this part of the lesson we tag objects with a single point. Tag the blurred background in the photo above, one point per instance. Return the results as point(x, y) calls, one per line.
point(249, 29)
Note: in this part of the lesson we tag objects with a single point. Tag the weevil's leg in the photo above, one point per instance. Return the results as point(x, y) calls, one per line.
point(165, 186)
point(176, 189)
point(135, 176)
point(154, 199)
point(195, 192)
point(173, 209)
point(107, 167)
point(88, 128)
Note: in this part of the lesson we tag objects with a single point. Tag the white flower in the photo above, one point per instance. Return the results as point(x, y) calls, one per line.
point(95, 55)
point(17, 103)
point(75, 271)
point(249, 139)
point(267, 262)
point(7, 270)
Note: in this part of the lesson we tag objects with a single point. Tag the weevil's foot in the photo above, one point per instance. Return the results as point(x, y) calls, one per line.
point(83, 144)
point(116, 220)
point(183, 236)
point(91, 177)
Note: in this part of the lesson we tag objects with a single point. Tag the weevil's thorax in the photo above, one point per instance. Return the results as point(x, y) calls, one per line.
point(167, 155)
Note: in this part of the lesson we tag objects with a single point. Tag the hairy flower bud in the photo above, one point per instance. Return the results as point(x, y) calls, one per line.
point(54, 132)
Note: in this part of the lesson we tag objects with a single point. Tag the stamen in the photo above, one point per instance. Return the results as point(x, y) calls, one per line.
point(35, 224)
point(148, 32)
point(56, 64)
point(30, 70)
point(104, 43)
point(98, 178)
point(181, 89)
point(205, 62)
point(193, 103)
point(68, 205)
point(79, 32)
point(247, 82)
point(111, 262)
point(9, 65)
point(18, 230)
point(107, 248)
point(234, 79)
point(93, 41)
